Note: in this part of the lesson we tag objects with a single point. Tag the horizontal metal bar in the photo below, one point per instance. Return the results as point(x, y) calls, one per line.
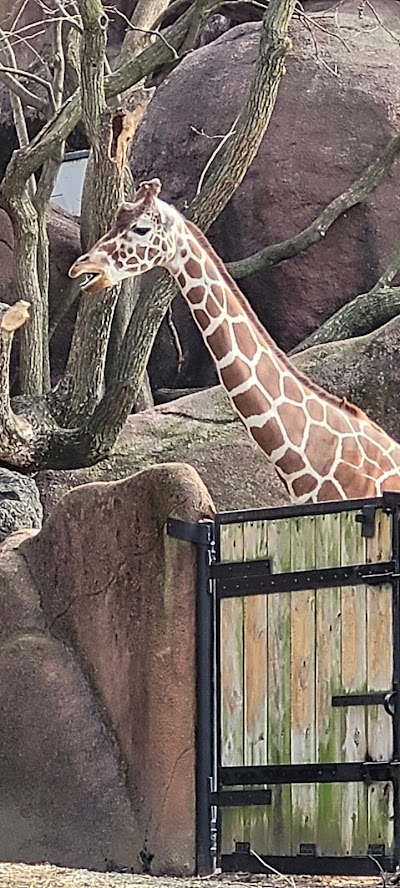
point(201, 533)
point(304, 865)
point(332, 772)
point(240, 797)
point(233, 584)
point(291, 511)
point(376, 698)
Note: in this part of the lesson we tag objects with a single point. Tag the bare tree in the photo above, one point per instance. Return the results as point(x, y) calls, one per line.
point(77, 422)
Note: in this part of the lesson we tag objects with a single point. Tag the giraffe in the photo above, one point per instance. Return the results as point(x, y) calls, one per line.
point(322, 447)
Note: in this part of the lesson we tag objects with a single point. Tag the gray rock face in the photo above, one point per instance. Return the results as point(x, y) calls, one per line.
point(98, 681)
point(20, 505)
point(324, 131)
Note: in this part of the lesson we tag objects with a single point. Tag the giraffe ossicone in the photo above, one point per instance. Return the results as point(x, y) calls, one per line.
point(323, 448)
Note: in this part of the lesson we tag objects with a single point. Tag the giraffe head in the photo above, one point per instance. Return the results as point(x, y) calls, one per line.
point(141, 237)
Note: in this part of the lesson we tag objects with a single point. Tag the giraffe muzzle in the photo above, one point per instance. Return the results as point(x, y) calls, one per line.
point(92, 279)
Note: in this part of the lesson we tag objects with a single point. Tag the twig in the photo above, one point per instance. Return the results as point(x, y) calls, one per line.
point(289, 879)
point(382, 24)
point(151, 31)
point(26, 95)
point(214, 154)
point(19, 118)
point(177, 342)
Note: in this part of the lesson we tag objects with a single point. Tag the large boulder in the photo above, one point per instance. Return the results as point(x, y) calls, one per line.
point(334, 114)
point(98, 681)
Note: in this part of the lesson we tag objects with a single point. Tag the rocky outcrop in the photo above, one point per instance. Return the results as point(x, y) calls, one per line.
point(324, 131)
point(20, 506)
point(97, 679)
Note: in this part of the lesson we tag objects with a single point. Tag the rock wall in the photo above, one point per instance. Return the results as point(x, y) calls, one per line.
point(97, 679)
point(333, 116)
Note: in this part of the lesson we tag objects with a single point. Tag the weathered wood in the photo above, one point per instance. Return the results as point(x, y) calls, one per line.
point(379, 678)
point(354, 676)
point(232, 684)
point(255, 680)
point(284, 657)
point(278, 839)
point(303, 681)
point(329, 720)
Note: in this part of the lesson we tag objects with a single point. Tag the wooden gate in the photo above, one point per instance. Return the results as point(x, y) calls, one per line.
point(301, 750)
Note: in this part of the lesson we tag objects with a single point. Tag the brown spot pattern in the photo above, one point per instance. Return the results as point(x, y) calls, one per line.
point(291, 462)
point(236, 373)
point(294, 421)
point(196, 250)
point(268, 375)
point(328, 491)
point(195, 294)
point(336, 420)
point(345, 475)
point(220, 342)
point(292, 389)
point(193, 269)
point(269, 437)
point(218, 294)
point(245, 340)
point(320, 447)
point(305, 484)
point(315, 409)
point(213, 309)
point(181, 280)
point(109, 248)
point(202, 318)
point(351, 452)
point(251, 403)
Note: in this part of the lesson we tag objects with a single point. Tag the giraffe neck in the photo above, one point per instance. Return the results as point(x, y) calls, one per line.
point(302, 429)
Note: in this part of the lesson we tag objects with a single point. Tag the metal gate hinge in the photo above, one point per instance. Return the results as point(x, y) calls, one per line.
point(367, 518)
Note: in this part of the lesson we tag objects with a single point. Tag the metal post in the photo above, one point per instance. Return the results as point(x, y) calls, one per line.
point(202, 535)
point(396, 682)
point(205, 701)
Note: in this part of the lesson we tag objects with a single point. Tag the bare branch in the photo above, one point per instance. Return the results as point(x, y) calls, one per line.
point(27, 161)
point(11, 318)
point(8, 76)
point(29, 185)
point(143, 20)
point(272, 255)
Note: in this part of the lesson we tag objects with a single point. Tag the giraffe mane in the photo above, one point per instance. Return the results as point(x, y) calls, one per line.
point(341, 403)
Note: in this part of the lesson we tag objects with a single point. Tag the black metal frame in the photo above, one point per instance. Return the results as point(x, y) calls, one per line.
point(218, 580)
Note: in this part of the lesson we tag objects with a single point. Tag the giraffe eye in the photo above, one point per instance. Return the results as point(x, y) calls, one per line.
point(141, 230)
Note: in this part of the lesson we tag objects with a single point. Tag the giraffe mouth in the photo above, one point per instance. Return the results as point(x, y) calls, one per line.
point(92, 280)
point(89, 278)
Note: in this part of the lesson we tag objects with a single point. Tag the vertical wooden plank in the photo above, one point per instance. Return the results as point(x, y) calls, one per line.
point(379, 677)
point(232, 689)
point(255, 672)
point(329, 720)
point(354, 677)
point(303, 681)
point(278, 839)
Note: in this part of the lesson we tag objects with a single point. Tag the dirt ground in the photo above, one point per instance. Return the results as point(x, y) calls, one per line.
point(16, 875)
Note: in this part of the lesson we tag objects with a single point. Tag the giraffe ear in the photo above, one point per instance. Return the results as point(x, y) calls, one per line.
point(148, 189)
